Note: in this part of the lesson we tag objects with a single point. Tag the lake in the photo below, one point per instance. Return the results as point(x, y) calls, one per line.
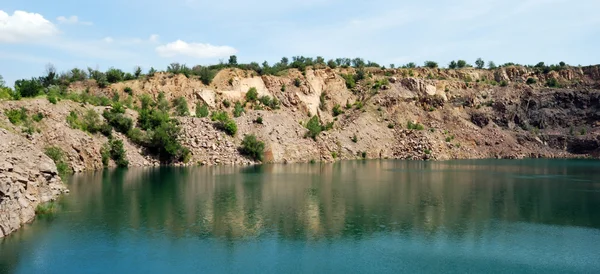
point(472, 216)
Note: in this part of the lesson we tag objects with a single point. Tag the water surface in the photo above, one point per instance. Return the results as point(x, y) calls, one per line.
point(486, 216)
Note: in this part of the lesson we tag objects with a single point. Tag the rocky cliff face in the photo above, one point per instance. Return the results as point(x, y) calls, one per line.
point(463, 113)
point(27, 178)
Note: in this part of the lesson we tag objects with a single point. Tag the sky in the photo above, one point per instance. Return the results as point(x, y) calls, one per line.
point(151, 33)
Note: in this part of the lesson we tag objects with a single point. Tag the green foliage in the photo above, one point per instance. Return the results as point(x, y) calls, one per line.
point(582, 131)
point(128, 90)
point(252, 147)
point(73, 120)
point(350, 82)
point(16, 116)
point(531, 81)
point(354, 138)
point(224, 122)
point(390, 125)
point(413, 126)
point(117, 153)
point(297, 82)
point(58, 156)
point(259, 120)
point(114, 75)
point(363, 154)
point(46, 209)
point(206, 74)
point(105, 154)
point(479, 63)
point(238, 109)
point(252, 94)
point(503, 83)
point(283, 88)
point(162, 103)
point(181, 106)
point(38, 117)
point(452, 65)
point(337, 110)
point(492, 65)
point(117, 119)
point(138, 72)
point(28, 88)
point(201, 110)
point(552, 82)
point(314, 127)
point(431, 64)
point(226, 103)
point(461, 64)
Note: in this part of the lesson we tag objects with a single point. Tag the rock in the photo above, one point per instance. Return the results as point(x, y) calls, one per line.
point(28, 178)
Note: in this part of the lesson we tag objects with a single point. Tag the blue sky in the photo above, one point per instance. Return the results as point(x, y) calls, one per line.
point(123, 34)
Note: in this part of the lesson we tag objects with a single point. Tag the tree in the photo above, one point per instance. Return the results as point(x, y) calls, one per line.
point(137, 72)
point(452, 65)
point(492, 65)
point(206, 75)
point(284, 62)
point(151, 72)
point(431, 64)
point(479, 63)
point(411, 65)
point(332, 64)
point(232, 61)
point(28, 88)
point(461, 64)
point(50, 78)
point(181, 107)
point(314, 127)
point(2, 83)
point(114, 75)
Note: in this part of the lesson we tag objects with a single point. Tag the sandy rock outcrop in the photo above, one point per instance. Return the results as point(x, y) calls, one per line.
point(27, 178)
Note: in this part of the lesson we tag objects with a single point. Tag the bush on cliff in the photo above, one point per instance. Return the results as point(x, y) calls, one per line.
point(252, 147)
point(201, 110)
point(58, 156)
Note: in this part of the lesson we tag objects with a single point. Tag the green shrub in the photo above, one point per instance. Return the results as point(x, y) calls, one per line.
point(48, 208)
point(461, 64)
point(259, 120)
point(220, 116)
point(230, 127)
point(503, 83)
point(226, 103)
point(181, 106)
point(16, 116)
point(390, 125)
point(128, 90)
point(252, 147)
point(52, 97)
point(73, 120)
point(252, 94)
point(114, 75)
point(28, 88)
point(201, 110)
point(531, 81)
point(364, 154)
point(417, 126)
point(297, 82)
point(283, 88)
point(354, 138)
point(552, 82)
point(206, 75)
point(38, 117)
point(58, 156)
point(105, 154)
point(265, 100)
point(452, 65)
point(117, 153)
point(238, 109)
point(337, 110)
point(120, 122)
point(349, 79)
point(431, 64)
point(314, 127)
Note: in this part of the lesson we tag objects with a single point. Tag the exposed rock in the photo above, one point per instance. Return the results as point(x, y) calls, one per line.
point(27, 178)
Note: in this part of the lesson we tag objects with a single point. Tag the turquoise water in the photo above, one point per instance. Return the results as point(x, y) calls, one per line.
point(484, 216)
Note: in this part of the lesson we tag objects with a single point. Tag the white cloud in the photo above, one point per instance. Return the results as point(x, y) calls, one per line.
point(73, 20)
point(108, 39)
point(196, 50)
point(154, 38)
point(24, 27)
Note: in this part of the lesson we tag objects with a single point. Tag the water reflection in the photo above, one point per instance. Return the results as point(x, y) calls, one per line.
point(351, 199)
